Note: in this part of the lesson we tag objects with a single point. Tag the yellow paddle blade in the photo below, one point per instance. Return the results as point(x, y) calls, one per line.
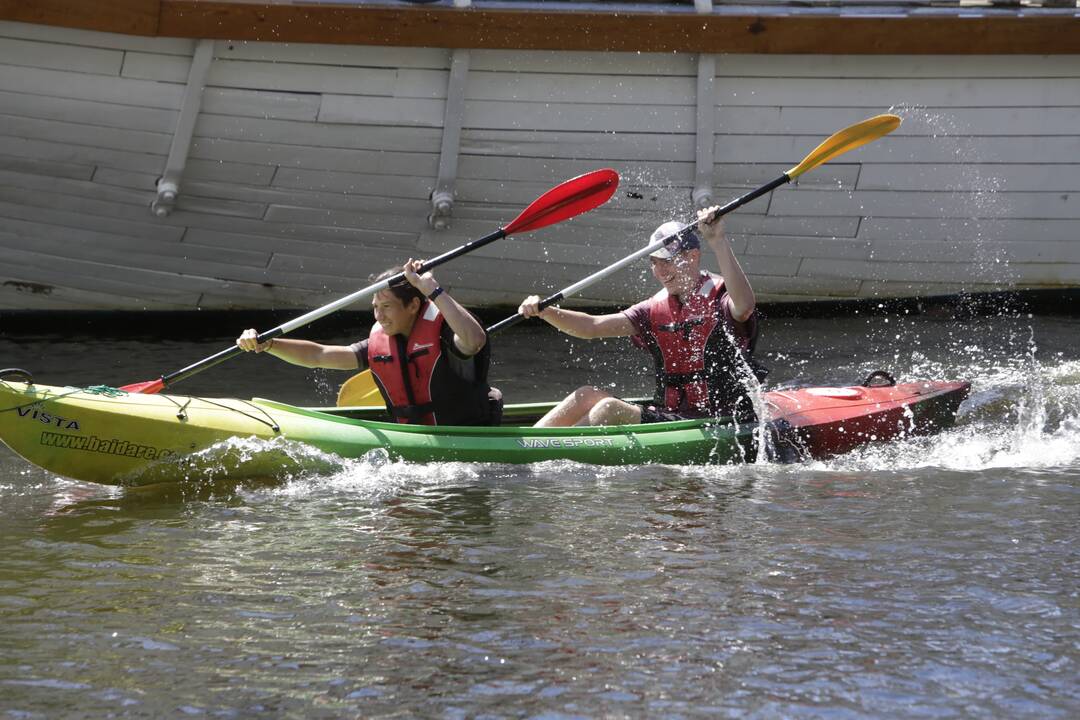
point(359, 390)
point(849, 138)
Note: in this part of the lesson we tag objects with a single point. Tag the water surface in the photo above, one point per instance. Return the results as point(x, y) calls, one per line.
point(936, 578)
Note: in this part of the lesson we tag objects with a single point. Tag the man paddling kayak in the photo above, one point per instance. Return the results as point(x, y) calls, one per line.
point(428, 355)
point(700, 329)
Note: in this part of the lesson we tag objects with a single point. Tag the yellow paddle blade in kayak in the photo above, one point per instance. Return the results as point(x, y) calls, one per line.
point(849, 138)
point(359, 390)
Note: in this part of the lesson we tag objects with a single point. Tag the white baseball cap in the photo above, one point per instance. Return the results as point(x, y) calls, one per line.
point(682, 241)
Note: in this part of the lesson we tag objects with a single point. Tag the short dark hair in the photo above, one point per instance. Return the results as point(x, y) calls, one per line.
point(402, 290)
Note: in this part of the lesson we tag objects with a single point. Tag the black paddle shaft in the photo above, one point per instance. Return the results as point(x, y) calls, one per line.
point(752, 195)
point(736, 203)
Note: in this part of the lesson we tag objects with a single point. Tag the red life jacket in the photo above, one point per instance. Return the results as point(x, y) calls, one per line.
point(416, 381)
point(700, 365)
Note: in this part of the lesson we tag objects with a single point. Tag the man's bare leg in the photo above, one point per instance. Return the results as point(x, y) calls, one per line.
point(613, 411)
point(573, 408)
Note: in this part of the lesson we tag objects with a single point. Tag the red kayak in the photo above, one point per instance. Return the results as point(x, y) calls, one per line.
point(819, 422)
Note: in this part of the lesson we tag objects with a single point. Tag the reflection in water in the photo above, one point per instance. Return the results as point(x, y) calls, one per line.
point(933, 577)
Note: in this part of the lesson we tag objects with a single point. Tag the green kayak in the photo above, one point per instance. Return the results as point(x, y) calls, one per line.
point(107, 436)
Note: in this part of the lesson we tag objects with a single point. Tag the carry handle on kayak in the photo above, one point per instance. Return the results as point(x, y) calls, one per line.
point(566, 200)
point(838, 143)
point(17, 374)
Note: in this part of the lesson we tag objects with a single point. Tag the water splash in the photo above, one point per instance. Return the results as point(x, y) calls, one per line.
point(376, 475)
point(973, 206)
point(1024, 414)
point(239, 458)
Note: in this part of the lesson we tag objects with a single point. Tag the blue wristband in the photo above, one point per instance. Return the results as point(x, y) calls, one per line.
point(435, 293)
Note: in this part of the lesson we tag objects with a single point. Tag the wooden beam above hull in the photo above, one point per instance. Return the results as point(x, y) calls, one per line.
point(130, 17)
point(1008, 32)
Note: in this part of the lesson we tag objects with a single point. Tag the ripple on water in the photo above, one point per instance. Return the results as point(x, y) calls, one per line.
point(931, 578)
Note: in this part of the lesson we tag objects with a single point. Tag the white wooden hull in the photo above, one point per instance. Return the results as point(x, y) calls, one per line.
point(312, 166)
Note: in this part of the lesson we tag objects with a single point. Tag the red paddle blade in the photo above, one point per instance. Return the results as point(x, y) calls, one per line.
point(150, 387)
point(571, 198)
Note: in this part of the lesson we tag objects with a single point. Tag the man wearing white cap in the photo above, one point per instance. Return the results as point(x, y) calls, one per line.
point(700, 329)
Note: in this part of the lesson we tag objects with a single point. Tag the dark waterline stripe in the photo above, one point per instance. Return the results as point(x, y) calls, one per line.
point(198, 323)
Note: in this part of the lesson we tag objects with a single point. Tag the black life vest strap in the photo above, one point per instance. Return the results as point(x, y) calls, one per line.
point(679, 380)
point(684, 327)
point(403, 362)
point(411, 412)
